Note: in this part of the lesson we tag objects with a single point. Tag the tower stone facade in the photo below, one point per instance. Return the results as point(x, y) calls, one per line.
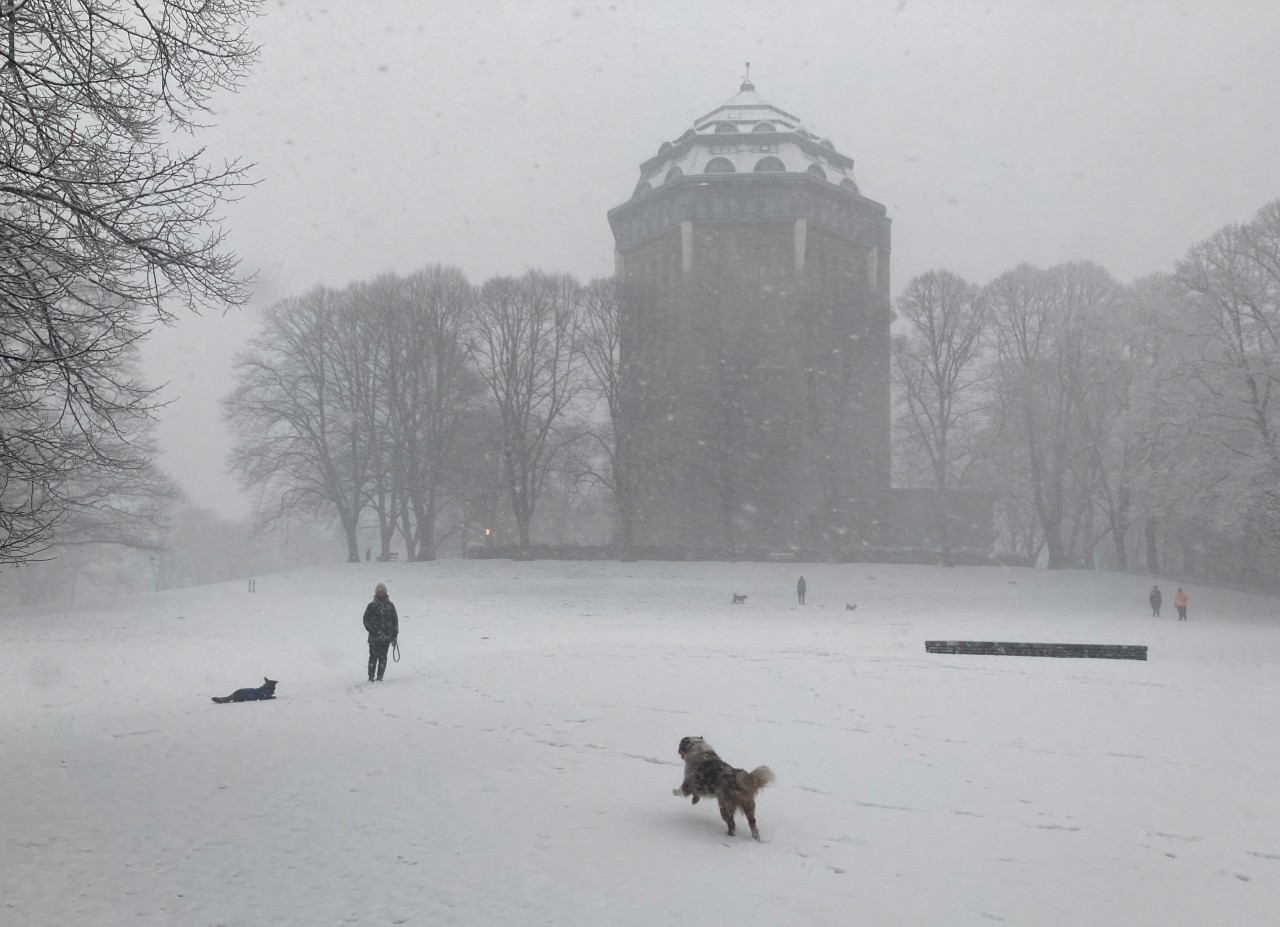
point(754, 282)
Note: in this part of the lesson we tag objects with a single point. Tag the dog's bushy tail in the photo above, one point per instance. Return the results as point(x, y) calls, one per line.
point(758, 778)
point(222, 700)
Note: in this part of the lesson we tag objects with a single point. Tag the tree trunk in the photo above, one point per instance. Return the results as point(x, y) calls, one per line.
point(1117, 538)
point(1120, 522)
point(1088, 537)
point(407, 526)
point(624, 524)
point(944, 529)
point(427, 529)
point(943, 508)
point(1051, 524)
point(1153, 558)
point(353, 544)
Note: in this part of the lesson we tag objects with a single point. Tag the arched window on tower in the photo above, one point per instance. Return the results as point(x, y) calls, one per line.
point(726, 128)
point(770, 164)
point(641, 188)
point(849, 185)
point(719, 166)
point(673, 174)
point(818, 172)
point(764, 127)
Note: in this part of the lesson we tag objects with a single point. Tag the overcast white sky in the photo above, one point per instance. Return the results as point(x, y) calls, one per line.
point(392, 135)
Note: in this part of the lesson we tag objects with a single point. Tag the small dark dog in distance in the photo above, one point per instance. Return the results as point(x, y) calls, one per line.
point(849, 608)
point(706, 774)
point(738, 599)
point(265, 691)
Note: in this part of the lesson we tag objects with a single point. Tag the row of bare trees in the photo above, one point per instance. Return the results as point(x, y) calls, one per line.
point(1137, 416)
point(413, 401)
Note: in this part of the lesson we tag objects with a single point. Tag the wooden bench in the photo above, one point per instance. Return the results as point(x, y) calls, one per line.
point(1028, 649)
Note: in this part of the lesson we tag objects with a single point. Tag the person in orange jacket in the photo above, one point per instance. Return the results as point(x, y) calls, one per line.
point(1180, 603)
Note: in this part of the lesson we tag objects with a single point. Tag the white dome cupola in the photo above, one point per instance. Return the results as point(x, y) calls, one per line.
point(746, 134)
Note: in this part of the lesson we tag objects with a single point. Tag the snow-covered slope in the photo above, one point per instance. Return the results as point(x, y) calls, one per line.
point(516, 766)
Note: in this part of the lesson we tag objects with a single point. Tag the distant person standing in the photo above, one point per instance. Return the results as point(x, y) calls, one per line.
point(1155, 599)
point(1180, 603)
point(383, 625)
point(800, 587)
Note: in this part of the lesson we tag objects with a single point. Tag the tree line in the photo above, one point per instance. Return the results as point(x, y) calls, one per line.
point(1117, 425)
point(1110, 424)
point(426, 404)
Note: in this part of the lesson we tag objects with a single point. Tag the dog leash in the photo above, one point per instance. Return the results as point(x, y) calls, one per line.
point(395, 650)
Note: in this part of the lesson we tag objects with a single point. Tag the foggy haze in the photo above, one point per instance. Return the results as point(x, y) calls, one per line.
point(814, 425)
point(497, 138)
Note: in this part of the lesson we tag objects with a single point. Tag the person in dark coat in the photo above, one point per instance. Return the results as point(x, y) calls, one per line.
point(383, 625)
point(800, 587)
point(1155, 599)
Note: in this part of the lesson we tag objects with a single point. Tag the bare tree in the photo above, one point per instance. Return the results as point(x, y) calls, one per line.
point(105, 229)
point(1230, 284)
point(1046, 329)
point(363, 379)
point(1002, 471)
point(524, 338)
point(1127, 427)
point(300, 407)
point(118, 523)
point(602, 352)
point(430, 390)
point(937, 364)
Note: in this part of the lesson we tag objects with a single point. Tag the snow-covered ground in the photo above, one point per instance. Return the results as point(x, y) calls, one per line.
point(516, 766)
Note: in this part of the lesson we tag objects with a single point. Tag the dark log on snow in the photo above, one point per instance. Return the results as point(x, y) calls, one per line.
point(1026, 649)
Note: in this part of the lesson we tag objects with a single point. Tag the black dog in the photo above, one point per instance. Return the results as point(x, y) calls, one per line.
point(265, 691)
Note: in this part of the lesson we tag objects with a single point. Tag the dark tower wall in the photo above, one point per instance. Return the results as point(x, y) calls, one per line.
point(755, 349)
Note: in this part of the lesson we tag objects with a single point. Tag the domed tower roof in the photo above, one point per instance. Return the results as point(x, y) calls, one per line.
point(747, 134)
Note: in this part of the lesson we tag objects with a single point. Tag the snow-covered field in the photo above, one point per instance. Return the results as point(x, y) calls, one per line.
point(516, 766)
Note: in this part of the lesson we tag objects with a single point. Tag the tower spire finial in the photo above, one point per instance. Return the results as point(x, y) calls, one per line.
point(746, 81)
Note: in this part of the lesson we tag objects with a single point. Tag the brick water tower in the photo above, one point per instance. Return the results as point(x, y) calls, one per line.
point(754, 280)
